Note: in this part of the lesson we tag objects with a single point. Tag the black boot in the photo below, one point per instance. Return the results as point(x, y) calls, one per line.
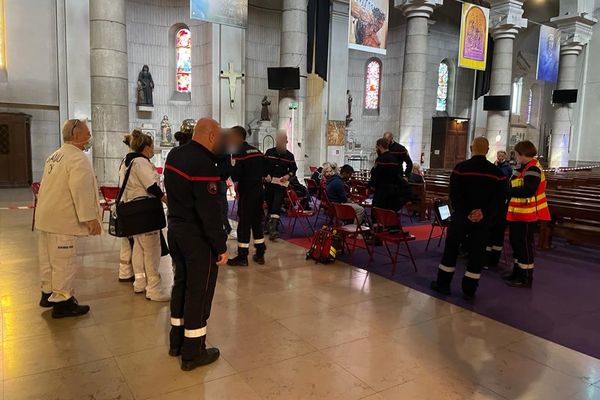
point(206, 357)
point(241, 260)
point(493, 258)
point(524, 280)
point(441, 289)
point(514, 274)
point(44, 301)
point(273, 229)
point(259, 257)
point(69, 308)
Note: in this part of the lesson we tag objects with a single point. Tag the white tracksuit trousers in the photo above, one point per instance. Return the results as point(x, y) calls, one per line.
point(125, 266)
point(56, 255)
point(145, 260)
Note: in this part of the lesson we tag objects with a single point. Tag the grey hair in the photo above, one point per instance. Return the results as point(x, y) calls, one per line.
point(67, 129)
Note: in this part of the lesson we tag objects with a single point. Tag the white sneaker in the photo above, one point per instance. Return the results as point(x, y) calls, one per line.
point(159, 296)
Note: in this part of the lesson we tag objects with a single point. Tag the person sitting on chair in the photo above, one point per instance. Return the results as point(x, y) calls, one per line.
point(336, 189)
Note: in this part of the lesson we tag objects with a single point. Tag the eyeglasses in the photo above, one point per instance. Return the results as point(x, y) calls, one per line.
point(74, 125)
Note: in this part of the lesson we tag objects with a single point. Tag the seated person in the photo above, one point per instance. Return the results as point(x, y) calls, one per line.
point(316, 177)
point(301, 192)
point(416, 175)
point(336, 189)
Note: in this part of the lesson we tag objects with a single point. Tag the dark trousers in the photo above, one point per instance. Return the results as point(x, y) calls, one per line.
point(274, 195)
point(224, 206)
point(251, 216)
point(496, 242)
point(522, 236)
point(474, 236)
point(193, 289)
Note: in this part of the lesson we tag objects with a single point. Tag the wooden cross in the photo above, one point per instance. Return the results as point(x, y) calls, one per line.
point(232, 76)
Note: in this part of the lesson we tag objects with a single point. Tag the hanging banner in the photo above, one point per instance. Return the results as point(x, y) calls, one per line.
point(473, 37)
point(548, 54)
point(226, 12)
point(368, 27)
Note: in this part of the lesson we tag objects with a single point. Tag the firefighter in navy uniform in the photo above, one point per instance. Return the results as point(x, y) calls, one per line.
point(197, 241)
point(391, 191)
point(527, 206)
point(280, 165)
point(401, 154)
point(477, 191)
point(249, 172)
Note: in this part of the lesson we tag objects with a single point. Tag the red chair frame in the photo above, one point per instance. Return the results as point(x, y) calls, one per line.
point(296, 212)
point(109, 194)
point(35, 190)
point(312, 185)
point(437, 223)
point(345, 212)
point(385, 220)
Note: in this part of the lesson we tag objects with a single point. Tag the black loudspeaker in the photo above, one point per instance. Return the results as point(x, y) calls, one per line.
point(284, 78)
point(564, 96)
point(496, 103)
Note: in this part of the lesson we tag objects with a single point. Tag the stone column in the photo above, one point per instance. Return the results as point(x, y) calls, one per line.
point(576, 33)
point(505, 22)
point(414, 73)
point(293, 54)
point(109, 86)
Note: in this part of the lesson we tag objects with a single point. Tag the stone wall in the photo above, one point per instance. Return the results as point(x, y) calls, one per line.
point(262, 50)
point(151, 26)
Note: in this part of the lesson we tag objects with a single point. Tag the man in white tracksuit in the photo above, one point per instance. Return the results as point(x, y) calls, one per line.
point(68, 207)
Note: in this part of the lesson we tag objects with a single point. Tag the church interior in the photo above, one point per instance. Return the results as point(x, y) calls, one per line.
point(330, 77)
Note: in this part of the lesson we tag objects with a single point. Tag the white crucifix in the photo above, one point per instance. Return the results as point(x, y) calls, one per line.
point(232, 76)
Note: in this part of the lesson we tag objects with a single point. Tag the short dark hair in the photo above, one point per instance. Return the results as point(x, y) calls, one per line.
point(239, 130)
point(526, 148)
point(346, 169)
point(383, 143)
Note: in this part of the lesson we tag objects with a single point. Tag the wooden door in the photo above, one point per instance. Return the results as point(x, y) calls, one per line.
point(438, 142)
point(15, 150)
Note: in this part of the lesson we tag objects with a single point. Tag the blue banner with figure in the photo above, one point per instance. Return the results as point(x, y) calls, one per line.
point(226, 12)
point(548, 54)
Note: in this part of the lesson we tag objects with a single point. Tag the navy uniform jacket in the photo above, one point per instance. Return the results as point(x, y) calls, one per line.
point(387, 171)
point(402, 157)
point(280, 164)
point(249, 168)
point(191, 181)
point(478, 184)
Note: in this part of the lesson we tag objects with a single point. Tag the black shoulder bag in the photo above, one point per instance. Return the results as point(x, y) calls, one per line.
point(136, 216)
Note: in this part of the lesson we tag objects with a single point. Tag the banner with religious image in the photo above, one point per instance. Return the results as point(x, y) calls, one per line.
point(368, 27)
point(548, 54)
point(226, 12)
point(473, 37)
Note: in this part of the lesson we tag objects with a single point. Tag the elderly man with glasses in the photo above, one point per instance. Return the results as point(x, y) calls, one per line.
point(68, 208)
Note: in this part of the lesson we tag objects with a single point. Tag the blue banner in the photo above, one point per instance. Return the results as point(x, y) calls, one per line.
point(548, 54)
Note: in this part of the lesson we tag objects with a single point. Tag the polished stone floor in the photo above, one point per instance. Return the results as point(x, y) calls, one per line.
point(289, 330)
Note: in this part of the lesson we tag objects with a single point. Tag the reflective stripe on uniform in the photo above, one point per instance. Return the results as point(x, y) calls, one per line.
point(195, 333)
point(497, 248)
point(446, 269)
point(177, 321)
point(140, 276)
point(244, 245)
point(472, 275)
point(528, 199)
point(489, 248)
point(528, 210)
point(525, 266)
point(259, 241)
point(275, 216)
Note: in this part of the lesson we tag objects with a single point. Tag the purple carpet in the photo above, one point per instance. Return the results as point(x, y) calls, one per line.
point(563, 306)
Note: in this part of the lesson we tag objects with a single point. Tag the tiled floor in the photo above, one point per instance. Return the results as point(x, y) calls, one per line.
point(289, 330)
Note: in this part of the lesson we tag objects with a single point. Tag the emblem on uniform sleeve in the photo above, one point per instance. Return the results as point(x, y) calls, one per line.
point(212, 187)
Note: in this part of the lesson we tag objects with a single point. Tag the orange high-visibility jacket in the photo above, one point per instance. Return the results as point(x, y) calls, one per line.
point(529, 209)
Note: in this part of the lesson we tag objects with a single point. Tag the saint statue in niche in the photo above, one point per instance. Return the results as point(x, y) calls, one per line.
point(145, 86)
point(166, 140)
point(349, 115)
point(264, 113)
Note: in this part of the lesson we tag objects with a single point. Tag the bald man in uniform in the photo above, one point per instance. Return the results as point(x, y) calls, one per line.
point(197, 241)
point(401, 154)
point(477, 193)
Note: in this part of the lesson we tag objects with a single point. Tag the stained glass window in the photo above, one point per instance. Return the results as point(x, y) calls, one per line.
point(442, 90)
point(373, 85)
point(517, 96)
point(183, 46)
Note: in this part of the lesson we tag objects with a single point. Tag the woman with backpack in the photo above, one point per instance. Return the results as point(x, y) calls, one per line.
point(142, 183)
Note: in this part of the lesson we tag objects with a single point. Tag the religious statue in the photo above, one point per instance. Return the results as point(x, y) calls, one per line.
point(145, 86)
point(166, 140)
point(264, 113)
point(349, 115)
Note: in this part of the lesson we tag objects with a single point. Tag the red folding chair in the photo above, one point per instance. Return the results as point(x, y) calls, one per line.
point(296, 212)
point(326, 206)
point(342, 214)
point(313, 190)
point(109, 193)
point(391, 232)
point(35, 189)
